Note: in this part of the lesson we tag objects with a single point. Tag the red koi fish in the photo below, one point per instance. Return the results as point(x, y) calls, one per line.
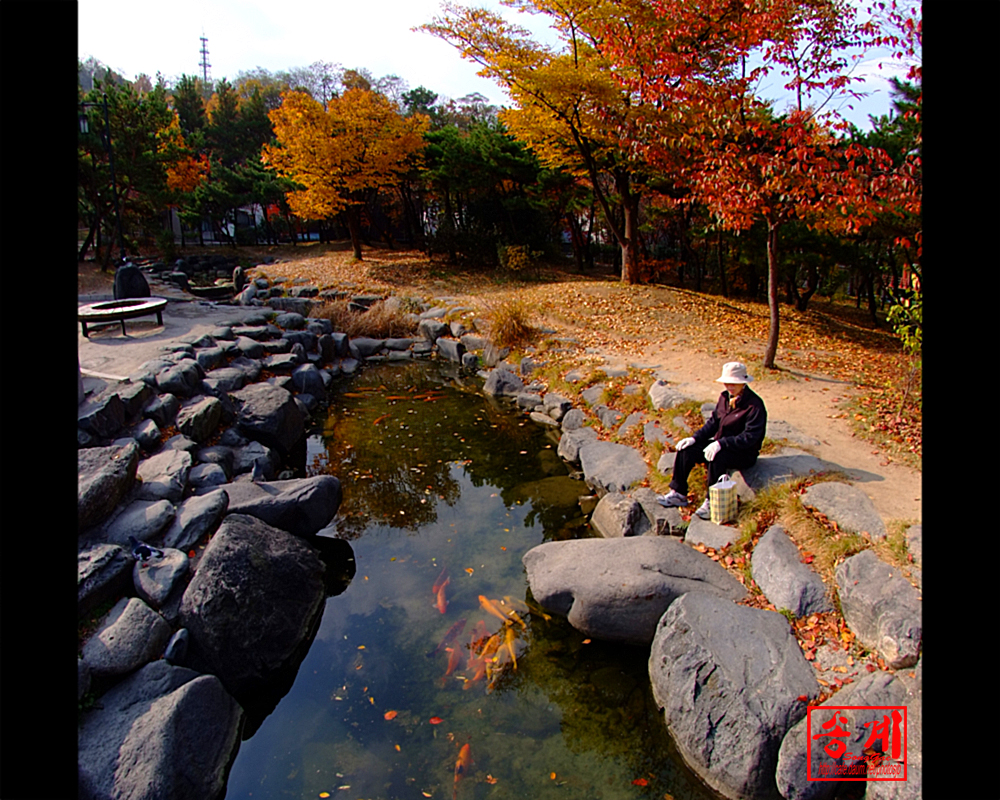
point(453, 660)
point(449, 637)
point(462, 767)
point(439, 581)
point(442, 604)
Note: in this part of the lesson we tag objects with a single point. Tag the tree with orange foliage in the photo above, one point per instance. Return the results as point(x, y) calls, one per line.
point(705, 59)
point(360, 142)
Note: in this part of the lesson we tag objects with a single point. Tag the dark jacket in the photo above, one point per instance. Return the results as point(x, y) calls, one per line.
point(741, 428)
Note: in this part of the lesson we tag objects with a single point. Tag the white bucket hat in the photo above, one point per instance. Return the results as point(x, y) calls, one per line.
point(734, 372)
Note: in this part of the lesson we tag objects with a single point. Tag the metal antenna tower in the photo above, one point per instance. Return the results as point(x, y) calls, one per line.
point(204, 59)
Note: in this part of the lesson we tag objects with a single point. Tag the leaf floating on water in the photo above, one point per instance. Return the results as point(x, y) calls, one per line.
point(552, 776)
point(436, 720)
point(640, 782)
point(470, 570)
point(490, 779)
point(398, 749)
point(586, 641)
point(371, 700)
point(324, 794)
point(391, 715)
point(426, 794)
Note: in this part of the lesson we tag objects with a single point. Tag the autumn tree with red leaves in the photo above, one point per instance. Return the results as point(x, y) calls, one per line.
point(705, 59)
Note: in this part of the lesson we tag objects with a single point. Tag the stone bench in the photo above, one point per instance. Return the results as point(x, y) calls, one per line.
point(120, 310)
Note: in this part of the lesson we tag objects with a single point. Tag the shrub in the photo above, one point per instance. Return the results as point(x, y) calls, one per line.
point(378, 322)
point(509, 323)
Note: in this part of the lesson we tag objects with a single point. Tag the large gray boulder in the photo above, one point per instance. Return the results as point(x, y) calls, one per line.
point(104, 475)
point(452, 349)
point(503, 382)
point(785, 581)
point(701, 531)
point(662, 396)
point(198, 419)
point(103, 572)
point(225, 379)
point(253, 602)
point(129, 282)
point(778, 429)
point(155, 579)
point(663, 521)
point(573, 439)
point(619, 515)
point(784, 465)
point(302, 506)
point(307, 378)
point(793, 770)
point(131, 635)
point(617, 589)
point(143, 519)
point(164, 476)
point(269, 415)
point(611, 467)
point(432, 329)
point(881, 607)
point(182, 379)
point(195, 518)
point(102, 416)
point(164, 732)
point(729, 679)
point(848, 506)
point(362, 347)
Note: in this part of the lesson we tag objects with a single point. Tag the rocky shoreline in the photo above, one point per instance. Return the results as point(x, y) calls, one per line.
point(200, 643)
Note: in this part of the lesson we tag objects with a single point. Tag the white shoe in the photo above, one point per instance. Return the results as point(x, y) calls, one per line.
point(672, 499)
point(704, 510)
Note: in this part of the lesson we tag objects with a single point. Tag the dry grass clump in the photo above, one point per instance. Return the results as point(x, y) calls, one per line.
point(510, 323)
point(378, 322)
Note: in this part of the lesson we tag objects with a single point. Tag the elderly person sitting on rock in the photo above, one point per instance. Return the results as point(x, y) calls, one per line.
point(731, 438)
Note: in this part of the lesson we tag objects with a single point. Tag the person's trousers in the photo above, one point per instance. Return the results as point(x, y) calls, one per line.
point(726, 459)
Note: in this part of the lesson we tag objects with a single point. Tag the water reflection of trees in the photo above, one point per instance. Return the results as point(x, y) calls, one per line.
point(393, 435)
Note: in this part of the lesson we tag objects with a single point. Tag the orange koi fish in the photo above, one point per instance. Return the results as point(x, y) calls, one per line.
point(492, 609)
point(442, 604)
point(462, 767)
point(509, 642)
point(383, 418)
point(453, 659)
point(439, 581)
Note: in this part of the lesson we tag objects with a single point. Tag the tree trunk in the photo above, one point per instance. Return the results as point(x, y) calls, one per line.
point(88, 241)
point(630, 244)
point(772, 294)
point(812, 284)
point(871, 299)
point(722, 268)
point(354, 227)
point(576, 239)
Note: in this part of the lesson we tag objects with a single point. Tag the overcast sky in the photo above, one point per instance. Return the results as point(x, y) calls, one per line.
point(141, 37)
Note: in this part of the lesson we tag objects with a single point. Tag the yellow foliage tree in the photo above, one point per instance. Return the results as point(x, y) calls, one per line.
point(569, 108)
point(358, 144)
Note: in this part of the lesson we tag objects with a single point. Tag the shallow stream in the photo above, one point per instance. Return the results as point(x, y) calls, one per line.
point(446, 487)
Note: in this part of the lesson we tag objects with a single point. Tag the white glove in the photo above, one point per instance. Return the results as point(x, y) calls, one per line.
point(712, 450)
point(685, 443)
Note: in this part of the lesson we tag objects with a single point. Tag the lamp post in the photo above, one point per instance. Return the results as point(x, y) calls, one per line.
point(106, 140)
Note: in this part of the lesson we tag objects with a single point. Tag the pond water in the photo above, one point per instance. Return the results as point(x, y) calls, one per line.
point(444, 486)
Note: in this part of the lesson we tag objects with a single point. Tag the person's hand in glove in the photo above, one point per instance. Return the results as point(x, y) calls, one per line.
point(712, 450)
point(685, 443)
